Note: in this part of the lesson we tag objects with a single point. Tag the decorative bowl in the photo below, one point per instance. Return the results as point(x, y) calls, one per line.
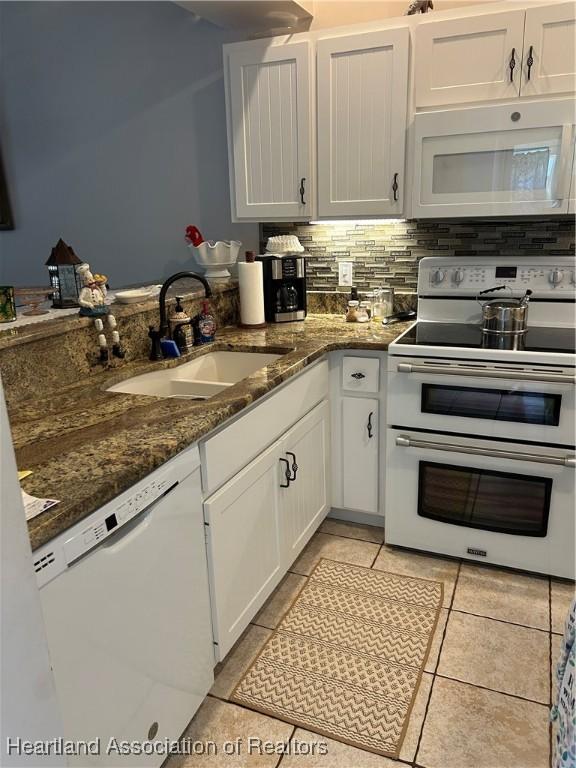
point(214, 258)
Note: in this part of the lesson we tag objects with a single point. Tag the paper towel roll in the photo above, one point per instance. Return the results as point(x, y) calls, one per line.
point(251, 286)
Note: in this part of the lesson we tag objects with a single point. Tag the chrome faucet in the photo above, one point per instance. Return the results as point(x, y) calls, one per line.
point(157, 336)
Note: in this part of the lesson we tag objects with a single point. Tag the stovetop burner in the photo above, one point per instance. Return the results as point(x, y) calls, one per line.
point(536, 339)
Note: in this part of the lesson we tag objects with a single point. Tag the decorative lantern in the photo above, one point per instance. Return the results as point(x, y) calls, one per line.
point(64, 279)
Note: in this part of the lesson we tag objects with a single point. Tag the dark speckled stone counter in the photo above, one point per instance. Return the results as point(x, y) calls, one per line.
point(86, 446)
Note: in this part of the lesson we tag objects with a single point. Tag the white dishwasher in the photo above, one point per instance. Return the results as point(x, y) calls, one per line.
point(127, 611)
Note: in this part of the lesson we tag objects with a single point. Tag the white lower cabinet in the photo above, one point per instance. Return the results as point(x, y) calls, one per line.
point(260, 520)
point(359, 468)
point(244, 552)
point(357, 389)
point(304, 504)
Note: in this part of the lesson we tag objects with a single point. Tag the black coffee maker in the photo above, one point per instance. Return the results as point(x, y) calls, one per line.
point(284, 287)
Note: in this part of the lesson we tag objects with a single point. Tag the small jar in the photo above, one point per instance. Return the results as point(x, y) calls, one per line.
point(352, 313)
point(364, 312)
point(367, 306)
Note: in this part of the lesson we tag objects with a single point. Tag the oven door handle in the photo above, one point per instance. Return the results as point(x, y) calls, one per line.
point(404, 441)
point(487, 373)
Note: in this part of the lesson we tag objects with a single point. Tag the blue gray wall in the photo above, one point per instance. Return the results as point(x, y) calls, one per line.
point(112, 128)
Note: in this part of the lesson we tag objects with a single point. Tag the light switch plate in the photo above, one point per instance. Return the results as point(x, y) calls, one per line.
point(345, 273)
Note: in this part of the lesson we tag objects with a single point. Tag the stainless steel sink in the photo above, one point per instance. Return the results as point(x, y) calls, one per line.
point(198, 379)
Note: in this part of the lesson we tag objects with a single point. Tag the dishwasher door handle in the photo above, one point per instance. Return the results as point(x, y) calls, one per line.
point(487, 373)
point(405, 441)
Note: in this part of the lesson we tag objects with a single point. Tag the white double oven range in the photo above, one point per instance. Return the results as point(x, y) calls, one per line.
point(481, 427)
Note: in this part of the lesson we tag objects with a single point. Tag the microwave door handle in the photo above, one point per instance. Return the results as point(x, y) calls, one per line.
point(487, 373)
point(405, 441)
point(561, 187)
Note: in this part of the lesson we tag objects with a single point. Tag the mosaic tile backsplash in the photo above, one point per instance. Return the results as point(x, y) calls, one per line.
point(389, 252)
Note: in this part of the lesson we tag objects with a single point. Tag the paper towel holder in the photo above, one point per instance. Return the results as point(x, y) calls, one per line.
point(250, 258)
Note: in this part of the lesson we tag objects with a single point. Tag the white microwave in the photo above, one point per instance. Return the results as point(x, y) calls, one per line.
point(503, 160)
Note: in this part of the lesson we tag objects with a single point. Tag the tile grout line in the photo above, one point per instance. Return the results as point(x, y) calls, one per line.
point(502, 621)
point(349, 538)
point(287, 742)
point(437, 662)
point(262, 626)
point(377, 555)
point(492, 690)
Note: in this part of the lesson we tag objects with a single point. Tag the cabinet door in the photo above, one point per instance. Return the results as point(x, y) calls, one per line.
point(360, 435)
point(305, 503)
point(492, 161)
point(269, 96)
point(244, 555)
point(362, 93)
point(471, 59)
point(549, 63)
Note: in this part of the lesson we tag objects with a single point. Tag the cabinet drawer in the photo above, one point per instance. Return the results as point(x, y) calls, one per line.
point(360, 374)
point(234, 446)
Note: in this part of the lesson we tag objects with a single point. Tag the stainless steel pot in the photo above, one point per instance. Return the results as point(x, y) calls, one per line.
point(504, 316)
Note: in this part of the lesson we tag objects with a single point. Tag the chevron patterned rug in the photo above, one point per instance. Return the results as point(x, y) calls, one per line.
point(347, 657)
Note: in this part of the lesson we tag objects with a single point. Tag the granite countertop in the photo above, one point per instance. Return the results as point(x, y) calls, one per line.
point(85, 446)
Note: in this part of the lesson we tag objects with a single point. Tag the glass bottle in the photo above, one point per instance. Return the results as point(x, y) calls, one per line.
point(382, 304)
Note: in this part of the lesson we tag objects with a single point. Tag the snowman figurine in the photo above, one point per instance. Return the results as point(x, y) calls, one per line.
point(92, 301)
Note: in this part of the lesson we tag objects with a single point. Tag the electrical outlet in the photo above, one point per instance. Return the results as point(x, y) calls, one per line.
point(345, 273)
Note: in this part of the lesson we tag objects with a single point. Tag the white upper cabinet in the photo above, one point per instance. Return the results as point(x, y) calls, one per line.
point(549, 64)
point(270, 129)
point(361, 127)
point(469, 59)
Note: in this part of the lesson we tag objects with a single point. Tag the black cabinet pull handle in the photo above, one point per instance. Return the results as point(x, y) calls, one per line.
point(395, 187)
point(286, 474)
point(358, 375)
point(530, 61)
point(302, 190)
point(369, 425)
point(512, 64)
point(294, 465)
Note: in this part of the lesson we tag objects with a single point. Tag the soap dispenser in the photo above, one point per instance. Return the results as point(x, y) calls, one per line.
point(181, 327)
point(206, 325)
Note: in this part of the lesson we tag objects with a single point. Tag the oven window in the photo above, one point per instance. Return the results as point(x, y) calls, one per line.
point(482, 498)
point(494, 404)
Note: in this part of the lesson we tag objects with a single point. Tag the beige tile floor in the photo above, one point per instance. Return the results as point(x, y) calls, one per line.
point(484, 697)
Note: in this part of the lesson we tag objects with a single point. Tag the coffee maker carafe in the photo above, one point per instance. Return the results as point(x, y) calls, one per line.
point(284, 287)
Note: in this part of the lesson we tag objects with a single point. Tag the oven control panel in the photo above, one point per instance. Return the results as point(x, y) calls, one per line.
point(458, 277)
